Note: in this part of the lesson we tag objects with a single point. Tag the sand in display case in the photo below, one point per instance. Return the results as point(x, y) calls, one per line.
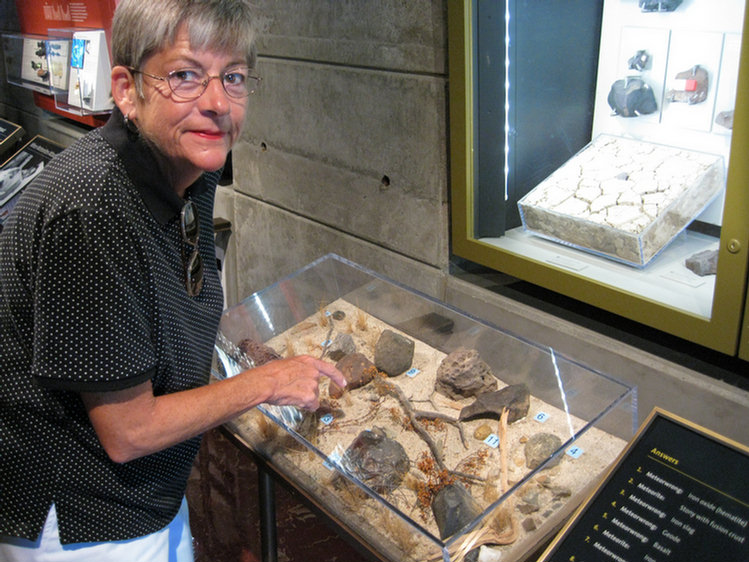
point(622, 198)
point(454, 440)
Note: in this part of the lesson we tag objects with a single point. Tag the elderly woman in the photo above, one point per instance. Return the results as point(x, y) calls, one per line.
point(110, 300)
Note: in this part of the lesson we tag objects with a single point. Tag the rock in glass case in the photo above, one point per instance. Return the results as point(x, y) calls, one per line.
point(453, 435)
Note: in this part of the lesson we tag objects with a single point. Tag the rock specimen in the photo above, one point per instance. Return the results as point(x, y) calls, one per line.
point(659, 5)
point(482, 432)
point(631, 97)
point(463, 374)
point(695, 86)
point(539, 448)
point(516, 398)
point(358, 371)
point(725, 119)
point(258, 352)
point(703, 263)
point(453, 508)
point(530, 502)
point(394, 353)
point(377, 461)
point(342, 345)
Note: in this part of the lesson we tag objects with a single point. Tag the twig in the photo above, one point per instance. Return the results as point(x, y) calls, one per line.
point(327, 342)
point(444, 417)
point(397, 393)
point(503, 479)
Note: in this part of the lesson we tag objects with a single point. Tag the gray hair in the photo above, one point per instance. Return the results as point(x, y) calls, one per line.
point(141, 28)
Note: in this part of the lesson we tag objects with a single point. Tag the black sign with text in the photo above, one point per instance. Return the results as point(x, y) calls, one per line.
point(21, 169)
point(7, 129)
point(677, 493)
point(10, 134)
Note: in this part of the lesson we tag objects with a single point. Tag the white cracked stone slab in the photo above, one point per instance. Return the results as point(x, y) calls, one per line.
point(622, 198)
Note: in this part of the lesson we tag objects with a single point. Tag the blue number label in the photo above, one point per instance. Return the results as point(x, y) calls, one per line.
point(492, 441)
point(333, 460)
point(574, 452)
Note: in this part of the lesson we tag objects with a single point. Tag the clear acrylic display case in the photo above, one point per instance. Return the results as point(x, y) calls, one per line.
point(623, 199)
point(37, 62)
point(89, 83)
point(71, 65)
point(516, 497)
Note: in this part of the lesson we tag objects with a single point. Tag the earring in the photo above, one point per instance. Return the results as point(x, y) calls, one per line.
point(131, 127)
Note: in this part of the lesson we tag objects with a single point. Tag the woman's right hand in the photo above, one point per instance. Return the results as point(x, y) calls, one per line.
point(294, 381)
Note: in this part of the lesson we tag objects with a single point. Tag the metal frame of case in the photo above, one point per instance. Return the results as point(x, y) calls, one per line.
point(727, 329)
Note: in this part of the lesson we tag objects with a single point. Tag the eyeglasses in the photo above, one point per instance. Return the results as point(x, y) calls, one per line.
point(190, 226)
point(190, 83)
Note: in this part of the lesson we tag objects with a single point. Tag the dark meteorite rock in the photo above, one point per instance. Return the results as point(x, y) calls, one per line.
point(462, 374)
point(378, 461)
point(516, 398)
point(540, 447)
point(659, 5)
point(258, 352)
point(453, 508)
point(357, 369)
point(394, 353)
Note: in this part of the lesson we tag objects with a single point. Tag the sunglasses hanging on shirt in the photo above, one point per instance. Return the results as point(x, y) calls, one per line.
point(190, 227)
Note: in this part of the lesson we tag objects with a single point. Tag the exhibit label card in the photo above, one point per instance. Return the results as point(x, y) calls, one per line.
point(677, 492)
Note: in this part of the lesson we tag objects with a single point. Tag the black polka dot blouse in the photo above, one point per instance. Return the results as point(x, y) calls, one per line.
point(93, 298)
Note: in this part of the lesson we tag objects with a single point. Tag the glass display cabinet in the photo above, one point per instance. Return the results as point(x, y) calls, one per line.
point(597, 150)
point(68, 65)
point(452, 434)
point(37, 62)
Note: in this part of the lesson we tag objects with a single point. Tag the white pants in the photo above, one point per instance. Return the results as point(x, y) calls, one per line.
point(171, 544)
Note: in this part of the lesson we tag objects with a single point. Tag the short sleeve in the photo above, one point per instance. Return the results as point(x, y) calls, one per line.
point(92, 310)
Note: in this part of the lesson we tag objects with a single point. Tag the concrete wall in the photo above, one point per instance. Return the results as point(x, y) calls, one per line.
point(344, 148)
